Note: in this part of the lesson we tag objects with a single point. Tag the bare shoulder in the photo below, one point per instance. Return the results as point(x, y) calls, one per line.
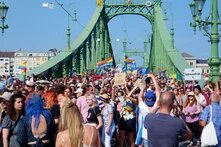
point(63, 133)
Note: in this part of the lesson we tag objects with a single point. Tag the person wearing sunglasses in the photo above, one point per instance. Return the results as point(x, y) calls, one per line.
point(4, 99)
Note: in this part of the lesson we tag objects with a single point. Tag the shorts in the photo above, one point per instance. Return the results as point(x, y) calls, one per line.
point(127, 125)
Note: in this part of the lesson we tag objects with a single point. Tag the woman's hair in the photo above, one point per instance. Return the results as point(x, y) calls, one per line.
point(69, 88)
point(71, 118)
point(189, 102)
point(34, 107)
point(93, 98)
point(60, 88)
point(11, 109)
point(50, 98)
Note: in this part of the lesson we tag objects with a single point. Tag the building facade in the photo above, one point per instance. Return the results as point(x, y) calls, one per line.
point(197, 63)
point(6, 63)
point(30, 60)
point(11, 63)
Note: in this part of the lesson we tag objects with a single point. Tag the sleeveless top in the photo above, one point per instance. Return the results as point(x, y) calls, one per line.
point(25, 133)
point(84, 145)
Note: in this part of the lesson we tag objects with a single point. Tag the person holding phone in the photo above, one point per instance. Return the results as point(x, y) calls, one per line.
point(162, 128)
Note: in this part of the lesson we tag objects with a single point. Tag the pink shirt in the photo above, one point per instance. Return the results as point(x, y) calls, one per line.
point(192, 109)
point(83, 107)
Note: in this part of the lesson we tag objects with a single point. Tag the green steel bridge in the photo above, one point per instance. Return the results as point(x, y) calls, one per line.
point(86, 51)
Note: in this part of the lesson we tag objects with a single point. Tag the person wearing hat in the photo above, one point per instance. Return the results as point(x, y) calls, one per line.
point(150, 98)
point(72, 86)
point(147, 103)
point(82, 103)
point(192, 109)
point(30, 86)
point(4, 99)
point(109, 126)
point(77, 94)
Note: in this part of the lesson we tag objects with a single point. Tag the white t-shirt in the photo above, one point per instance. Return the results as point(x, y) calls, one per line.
point(201, 100)
point(144, 110)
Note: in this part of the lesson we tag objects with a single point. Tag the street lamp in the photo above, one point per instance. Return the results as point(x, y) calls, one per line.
point(74, 18)
point(3, 13)
point(212, 22)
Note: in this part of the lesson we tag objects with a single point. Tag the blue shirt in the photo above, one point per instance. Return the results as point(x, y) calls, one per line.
point(163, 130)
point(2, 85)
point(216, 118)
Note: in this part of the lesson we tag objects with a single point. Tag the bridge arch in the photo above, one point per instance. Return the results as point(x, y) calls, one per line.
point(93, 44)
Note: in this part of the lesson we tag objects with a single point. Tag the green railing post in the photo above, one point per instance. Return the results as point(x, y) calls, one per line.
point(214, 61)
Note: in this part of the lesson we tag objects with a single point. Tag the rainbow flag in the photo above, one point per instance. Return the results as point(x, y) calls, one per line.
point(129, 65)
point(22, 65)
point(23, 68)
point(127, 60)
point(104, 63)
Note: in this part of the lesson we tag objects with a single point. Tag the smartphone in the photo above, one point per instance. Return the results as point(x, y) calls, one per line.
point(147, 80)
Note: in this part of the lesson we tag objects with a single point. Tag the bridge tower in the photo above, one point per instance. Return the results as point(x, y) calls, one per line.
point(135, 52)
point(93, 44)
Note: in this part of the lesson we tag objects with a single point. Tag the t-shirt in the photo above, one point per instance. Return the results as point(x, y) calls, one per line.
point(201, 100)
point(143, 111)
point(93, 113)
point(83, 107)
point(55, 111)
point(108, 109)
point(163, 130)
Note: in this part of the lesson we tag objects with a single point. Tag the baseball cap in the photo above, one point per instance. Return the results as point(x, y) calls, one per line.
point(30, 83)
point(6, 95)
point(150, 98)
point(72, 85)
point(79, 90)
point(79, 85)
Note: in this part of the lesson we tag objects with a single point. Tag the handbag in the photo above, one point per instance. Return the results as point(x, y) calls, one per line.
point(208, 136)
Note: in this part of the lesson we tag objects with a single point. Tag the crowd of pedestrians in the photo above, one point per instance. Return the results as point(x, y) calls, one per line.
point(93, 111)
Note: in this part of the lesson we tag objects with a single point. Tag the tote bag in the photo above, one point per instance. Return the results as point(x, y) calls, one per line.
point(208, 136)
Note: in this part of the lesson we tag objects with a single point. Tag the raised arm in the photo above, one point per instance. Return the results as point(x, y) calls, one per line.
point(132, 91)
point(142, 89)
point(157, 91)
point(126, 89)
point(157, 88)
point(102, 84)
point(113, 92)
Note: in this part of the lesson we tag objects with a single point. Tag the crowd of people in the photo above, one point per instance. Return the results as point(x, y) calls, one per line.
point(93, 111)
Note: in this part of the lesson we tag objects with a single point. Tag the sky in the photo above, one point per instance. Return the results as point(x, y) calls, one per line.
point(37, 29)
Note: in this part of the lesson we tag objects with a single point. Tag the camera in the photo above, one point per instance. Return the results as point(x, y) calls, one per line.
point(147, 80)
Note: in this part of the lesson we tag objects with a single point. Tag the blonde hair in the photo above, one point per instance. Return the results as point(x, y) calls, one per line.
point(93, 98)
point(71, 120)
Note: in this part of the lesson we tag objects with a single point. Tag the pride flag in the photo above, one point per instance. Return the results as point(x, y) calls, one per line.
point(107, 62)
point(104, 65)
point(129, 65)
point(22, 66)
point(127, 60)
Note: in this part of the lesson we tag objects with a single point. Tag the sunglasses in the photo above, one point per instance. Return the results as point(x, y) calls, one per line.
point(4, 102)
